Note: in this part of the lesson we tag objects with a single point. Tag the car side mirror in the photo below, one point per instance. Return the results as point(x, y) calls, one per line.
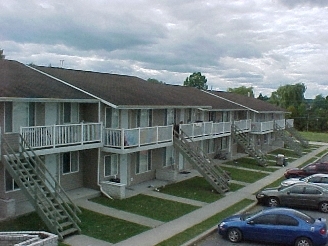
point(288, 192)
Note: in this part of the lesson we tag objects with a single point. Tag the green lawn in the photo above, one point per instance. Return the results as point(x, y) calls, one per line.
point(244, 175)
point(315, 136)
point(148, 206)
point(196, 188)
point(107, 228)
point(192, 232)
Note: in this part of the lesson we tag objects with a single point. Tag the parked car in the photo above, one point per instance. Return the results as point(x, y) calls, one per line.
point(275, 225)
point(317, 167)
point(297, 195)
point(318, 179)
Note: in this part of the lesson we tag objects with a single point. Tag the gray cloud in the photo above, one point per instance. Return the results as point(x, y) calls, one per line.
point(263, 44)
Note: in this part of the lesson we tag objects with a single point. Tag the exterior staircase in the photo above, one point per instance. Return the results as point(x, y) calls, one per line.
point(289, 140)
point(243, 139)
point(205, 165)
point(304, 142)
point(49, 200)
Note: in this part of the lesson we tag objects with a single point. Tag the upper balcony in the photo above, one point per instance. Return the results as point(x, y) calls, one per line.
point(269, 126)
point(49, 139)
point(141, 138)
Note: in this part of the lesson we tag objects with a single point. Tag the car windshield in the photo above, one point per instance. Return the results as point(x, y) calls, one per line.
point(307, 218)
point(246, 216)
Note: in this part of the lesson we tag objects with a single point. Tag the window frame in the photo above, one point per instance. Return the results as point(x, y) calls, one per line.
point(74, 156)
point(112, 162)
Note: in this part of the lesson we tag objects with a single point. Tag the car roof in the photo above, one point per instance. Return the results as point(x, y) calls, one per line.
point(278, 210)
point(318, 175)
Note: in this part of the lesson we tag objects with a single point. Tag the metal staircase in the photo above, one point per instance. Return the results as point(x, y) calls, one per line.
point(304, 142)
point(243, 139)
point(50, 201)
point(213, 174)
point(287, 137)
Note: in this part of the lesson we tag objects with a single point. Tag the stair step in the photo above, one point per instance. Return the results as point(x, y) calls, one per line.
point(69, 231)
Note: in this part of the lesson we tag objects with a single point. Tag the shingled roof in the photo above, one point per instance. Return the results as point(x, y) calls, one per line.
point(19, 81)
point(133, 92)
point(250, 102)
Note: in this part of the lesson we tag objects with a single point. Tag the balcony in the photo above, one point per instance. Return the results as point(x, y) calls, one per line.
point(59, 136)
point(203, 130)
point(135, 139)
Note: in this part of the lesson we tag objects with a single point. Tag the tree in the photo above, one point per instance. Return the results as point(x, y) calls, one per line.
point(155, 81)
point(196, 80)
point(242, 90)
point(263, 98)
point(2, 56)
point(289, 95)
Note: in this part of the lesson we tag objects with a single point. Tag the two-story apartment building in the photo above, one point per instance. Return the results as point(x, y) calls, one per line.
point(90, 128)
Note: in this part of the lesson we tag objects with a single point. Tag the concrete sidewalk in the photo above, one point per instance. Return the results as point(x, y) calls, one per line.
point(163, 231)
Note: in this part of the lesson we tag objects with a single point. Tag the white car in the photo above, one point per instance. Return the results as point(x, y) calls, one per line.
point(318, 179)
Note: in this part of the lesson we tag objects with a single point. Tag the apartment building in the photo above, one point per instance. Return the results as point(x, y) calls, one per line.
point(108, 132)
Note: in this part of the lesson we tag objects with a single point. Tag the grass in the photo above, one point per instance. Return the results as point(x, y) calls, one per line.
point(315, 136)
point(107, 228)
point(249, 163)
point(148, 206)
point(192, 232)
point(196, 188)
point(244, 175)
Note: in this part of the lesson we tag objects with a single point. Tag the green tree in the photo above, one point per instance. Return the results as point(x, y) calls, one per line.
point(196, 80)
point(242, 90)
point(2, 56)
point(263, 98)
point(155, 81)
point(288, 95)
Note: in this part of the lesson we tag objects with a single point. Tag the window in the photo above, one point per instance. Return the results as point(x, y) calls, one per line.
point(8, 116)
point(143, 162)
point(112, 118)
point(286, 220)
point(67, 113)
point(10, 182)
point(70, 162)
point(70, 113)
point(31, 114)
point(168, 156)
point(297, 190)
point(312, 191)
point(111, 165)
point(224, 143)
point(268, 219)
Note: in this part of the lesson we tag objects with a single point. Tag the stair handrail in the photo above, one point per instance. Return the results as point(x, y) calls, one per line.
point(290, 141)
point(8, 155)
point(260, 157)
point(218, 170)
point(53, 179)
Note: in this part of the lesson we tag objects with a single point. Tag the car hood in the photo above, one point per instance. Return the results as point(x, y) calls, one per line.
point(237, 217)
point(291, 181)
point(292, 170)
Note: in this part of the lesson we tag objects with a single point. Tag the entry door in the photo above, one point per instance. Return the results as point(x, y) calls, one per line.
point(51, 165)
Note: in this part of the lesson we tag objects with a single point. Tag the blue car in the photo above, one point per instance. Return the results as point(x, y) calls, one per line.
point(275, 225)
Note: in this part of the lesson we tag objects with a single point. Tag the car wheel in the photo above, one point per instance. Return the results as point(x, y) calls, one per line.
point(323, 207)
point(273, 202)
point(303, 241)
point(234, 235)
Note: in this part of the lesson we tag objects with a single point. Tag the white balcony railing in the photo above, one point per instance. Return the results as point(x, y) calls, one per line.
point(136, 137)
point(62, 135)
point(290, 122)
point(243, 125)
point(260, 127)
point(202, 129)
point(281, 123)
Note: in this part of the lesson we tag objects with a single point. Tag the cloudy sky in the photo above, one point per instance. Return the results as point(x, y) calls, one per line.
point(262, 44)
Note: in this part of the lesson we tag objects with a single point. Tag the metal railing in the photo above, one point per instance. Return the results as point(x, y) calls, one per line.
point(62, 135)
point(136, 137)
